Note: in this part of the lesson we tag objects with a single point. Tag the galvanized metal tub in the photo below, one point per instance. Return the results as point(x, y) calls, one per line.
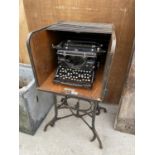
point(33, 104)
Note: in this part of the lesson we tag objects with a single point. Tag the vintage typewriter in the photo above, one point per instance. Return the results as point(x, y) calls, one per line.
point(77, 62)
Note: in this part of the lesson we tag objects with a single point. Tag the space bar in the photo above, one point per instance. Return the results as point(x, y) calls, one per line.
point(73, 84)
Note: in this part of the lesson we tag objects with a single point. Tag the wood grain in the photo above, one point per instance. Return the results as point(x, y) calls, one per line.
point(23, 31)
point(125, 120)
point(44, 58)
point(40, 13)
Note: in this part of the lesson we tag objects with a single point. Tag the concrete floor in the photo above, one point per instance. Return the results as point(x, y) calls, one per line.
point(71, 137)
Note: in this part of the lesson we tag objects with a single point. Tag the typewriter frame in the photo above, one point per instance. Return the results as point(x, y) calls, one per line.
point(39, 49)
point(84, 53)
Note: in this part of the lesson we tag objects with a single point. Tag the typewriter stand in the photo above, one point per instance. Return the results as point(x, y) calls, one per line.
point(92, 111)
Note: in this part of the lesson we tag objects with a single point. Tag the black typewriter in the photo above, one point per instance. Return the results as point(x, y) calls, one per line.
point(77, 62)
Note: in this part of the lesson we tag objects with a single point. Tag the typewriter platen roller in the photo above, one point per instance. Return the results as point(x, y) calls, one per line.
point(77, 62)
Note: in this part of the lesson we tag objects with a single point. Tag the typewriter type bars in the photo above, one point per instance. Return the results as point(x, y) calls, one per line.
point(77, 62)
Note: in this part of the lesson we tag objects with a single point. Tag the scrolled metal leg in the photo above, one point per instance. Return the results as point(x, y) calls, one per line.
point(94, 137)
point(99, 108)
point(52, 122)
point(99, 140)
point(77, 107)
point(93, 126)
point(93, 122)
point(104, 109)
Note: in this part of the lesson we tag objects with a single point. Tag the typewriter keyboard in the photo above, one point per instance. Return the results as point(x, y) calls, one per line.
point(74, 77)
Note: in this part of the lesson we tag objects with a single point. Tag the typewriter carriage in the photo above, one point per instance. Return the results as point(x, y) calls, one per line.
point(44, 60)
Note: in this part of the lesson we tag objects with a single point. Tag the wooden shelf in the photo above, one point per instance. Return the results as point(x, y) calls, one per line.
point(93, 94)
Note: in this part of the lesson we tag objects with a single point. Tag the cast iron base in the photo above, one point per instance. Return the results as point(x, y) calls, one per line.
point(93, 110)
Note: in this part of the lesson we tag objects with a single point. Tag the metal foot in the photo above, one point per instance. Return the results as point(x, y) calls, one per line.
point(99, 140)
point(99, 108)
point(94, 137)
point(104, 109)
point(51, 123)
